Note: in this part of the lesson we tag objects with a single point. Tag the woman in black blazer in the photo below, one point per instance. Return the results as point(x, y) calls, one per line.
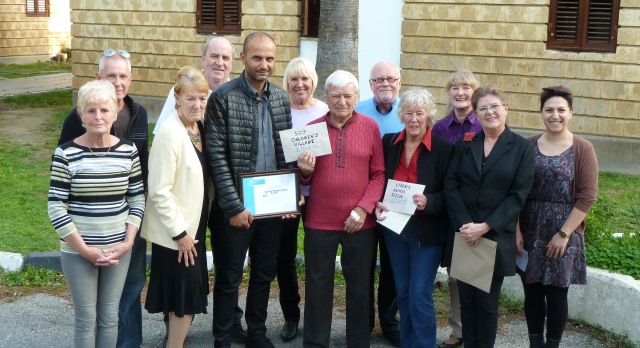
point(488, 181)
point(416, 155)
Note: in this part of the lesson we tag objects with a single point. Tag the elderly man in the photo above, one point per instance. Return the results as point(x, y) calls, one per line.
point(345, 186)
point(242, 121)
point(115, 67)
point(217, 62)
point(385, 83)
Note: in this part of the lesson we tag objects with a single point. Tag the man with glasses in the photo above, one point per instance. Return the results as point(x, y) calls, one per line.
point(385, 84)
point(131, 124)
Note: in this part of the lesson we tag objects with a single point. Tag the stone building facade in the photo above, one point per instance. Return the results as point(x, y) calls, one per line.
point(26, 39)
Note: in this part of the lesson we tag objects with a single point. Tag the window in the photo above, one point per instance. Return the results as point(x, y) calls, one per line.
point(219, 16)
point(310, 18)
point(37, 8)
point(583, 25)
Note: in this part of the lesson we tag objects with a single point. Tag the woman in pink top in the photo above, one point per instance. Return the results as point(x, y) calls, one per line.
point(345, 186)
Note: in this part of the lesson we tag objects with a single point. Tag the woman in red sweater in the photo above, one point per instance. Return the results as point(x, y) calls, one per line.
point(345, 186)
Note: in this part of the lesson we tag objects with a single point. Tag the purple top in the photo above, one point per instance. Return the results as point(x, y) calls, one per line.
point(452, 130)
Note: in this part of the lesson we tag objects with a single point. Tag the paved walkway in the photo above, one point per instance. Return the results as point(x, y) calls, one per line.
point(44, 320)
point(35, 84)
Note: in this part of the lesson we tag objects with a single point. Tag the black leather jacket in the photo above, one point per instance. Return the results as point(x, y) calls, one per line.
point(138, 132)
point(231, 136)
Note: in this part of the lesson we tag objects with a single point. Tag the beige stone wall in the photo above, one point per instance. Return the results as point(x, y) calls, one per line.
point(161, 37)
point(504, 42)
point(22, 36)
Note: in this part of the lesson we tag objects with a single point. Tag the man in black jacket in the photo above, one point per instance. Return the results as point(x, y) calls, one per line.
point(242, 121)
point(131, 124)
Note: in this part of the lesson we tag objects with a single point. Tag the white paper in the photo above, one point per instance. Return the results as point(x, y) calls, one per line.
point(297, 140)
point(521, 261)
point(394, 221)
point(474, 265)
point(398, 196)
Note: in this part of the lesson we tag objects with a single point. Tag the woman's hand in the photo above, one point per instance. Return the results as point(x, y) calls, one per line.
point(98, 257)
point(353, 224)
point(519, 240)
point(420, 201)
point(472, 232)
point(187, 250)
point(557, 246)
point(114, 253)
point(379, 209)
point(306, 162)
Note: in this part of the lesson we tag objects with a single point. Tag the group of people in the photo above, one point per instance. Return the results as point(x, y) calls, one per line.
point(481, 181)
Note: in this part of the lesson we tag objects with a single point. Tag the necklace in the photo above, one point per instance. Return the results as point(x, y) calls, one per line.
point(195, 137)
point(95, 154)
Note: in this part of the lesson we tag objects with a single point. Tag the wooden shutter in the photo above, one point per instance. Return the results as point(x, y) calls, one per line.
point(37, 8)
point(219, 16)
point(310, 18)
point(583, 25)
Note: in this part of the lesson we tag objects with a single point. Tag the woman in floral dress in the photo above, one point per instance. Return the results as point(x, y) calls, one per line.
point(552, 221)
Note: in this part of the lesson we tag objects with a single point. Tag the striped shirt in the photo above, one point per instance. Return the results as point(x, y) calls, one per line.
point(95, 194)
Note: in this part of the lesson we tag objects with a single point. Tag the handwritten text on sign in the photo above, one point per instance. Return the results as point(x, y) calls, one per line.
point(297, 140)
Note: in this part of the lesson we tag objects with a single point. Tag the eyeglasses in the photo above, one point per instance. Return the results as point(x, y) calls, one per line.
point(388, 79)
point(111, 53)
point(484, 109)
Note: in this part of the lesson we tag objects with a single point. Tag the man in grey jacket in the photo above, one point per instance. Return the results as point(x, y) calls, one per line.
point(242, 121)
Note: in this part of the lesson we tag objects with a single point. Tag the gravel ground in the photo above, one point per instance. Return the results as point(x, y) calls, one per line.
point(46, 321)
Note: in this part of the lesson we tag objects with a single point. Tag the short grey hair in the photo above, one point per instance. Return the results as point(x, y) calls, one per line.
point(421, 98)
point(103, 58)
point(211, 38)
point(341, 79)
point(97, 91)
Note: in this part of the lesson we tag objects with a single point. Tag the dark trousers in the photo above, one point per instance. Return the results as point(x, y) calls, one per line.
point(287, 271)
point(480, 313)
point(387, 304)
point(130, 308)
point(262, 240)
point(217, 220)
point(548, 301)
point(320, 248)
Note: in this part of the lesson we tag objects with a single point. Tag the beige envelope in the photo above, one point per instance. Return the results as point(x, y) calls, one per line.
point(474, 265)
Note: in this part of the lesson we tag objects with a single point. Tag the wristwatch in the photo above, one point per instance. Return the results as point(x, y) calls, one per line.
point(563, 234)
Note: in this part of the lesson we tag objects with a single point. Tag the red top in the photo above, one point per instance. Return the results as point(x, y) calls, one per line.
point(351, 176)
point(410, 173)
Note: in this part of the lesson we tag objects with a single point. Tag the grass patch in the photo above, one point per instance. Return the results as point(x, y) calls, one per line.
point(15, 71)
point(62, 98)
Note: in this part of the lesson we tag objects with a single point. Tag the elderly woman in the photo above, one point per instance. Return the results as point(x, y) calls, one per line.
point(354, 172)
point(565, 183)
point(300, 81)
point(416, 155)
point(96, 202)
point(487, 183)
point(177, 209)
point(460, 119)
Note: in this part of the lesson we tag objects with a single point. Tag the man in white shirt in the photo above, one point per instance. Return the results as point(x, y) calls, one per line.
point(217, 61)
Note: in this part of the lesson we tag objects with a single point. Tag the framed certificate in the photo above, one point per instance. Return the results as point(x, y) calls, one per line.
point(270, 194)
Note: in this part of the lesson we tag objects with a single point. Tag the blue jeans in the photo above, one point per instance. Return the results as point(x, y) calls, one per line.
point(95, 292)
point(130, 310)
point(414, 270)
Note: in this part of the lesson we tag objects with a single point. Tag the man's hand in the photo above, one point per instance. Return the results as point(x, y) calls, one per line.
point(352, 224)
point(242, 220)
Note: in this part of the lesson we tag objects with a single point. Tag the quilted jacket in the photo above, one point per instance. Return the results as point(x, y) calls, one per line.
point(231, 140)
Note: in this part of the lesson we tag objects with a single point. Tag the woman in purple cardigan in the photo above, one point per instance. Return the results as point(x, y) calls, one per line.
point(551, 223)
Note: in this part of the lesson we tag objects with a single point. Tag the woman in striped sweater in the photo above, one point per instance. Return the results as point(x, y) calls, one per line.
point(96, 202)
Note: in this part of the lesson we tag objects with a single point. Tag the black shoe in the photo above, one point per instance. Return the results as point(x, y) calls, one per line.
point(263, 343)
point(238, 334)
point(393, 337)
point(451, 345)
point(289, 331)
